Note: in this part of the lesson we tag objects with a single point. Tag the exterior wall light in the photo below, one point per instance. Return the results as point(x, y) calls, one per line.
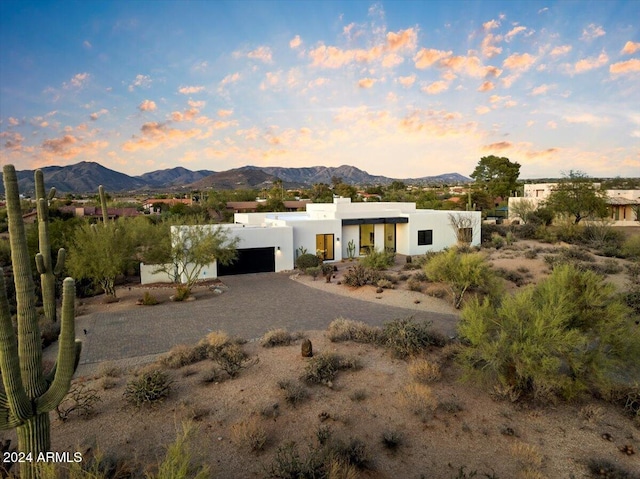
point(338, 239)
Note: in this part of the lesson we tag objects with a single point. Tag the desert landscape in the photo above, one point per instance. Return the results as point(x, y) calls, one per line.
point(379, 417)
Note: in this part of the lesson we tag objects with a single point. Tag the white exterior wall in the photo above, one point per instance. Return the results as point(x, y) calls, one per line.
point(443, 234)
point(304, 235)
point(148, 276)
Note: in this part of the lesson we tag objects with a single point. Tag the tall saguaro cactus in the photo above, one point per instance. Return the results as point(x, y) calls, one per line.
point(44, 261)
point(103, 204)
point(29, 394)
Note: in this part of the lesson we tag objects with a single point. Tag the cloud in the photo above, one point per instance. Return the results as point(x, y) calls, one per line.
point(94, 116)
point(13, 121)
point(592, 31)
point(391, 60)
point(271, 80)
point(542, 89)
point(318, 82)
point(225, 113)
point(630, 48)
point(78, 81)
point(552, 124)
point(560, 50)
point(519, 62)
point(501, 145)
point(231, 78)
point(147, 105)
point(403, 40)
point(87, 44)
point(261, 53)
point(156, 134)
point(295, 42)
point(407, 81)
point(12, 140)
point(629, 66)
point(190, 90)
point(486, 86)
point(426, 57)
point(436, 87)
point(490, 25)
point(587, 64)
point(366, 82)
point(141, 81)
point(513, 32)
point(59, 145)
point(586, 118)
point(196, 104)
point(543, 10)
point(488, 45)
point(482, 110)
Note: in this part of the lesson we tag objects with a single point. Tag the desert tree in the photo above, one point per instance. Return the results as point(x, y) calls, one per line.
point(577, 196)
point(463, 226)
point(569, 334)
point(187, 249)
point(496, 175)
point(523, 209)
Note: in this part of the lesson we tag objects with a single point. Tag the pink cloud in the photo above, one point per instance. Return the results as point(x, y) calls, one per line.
point(13, 121)
point(231, 78)
point(426, 57)
point(295, 42)
point(486, 86)
point(190, 90)
point(156, 134)
point(94, 116)
point(436, 87)
point(147, 105)
point(366, 82)
point(629, 66)
point(78, 81)
point(391, 60)
point(587, 64)
point(225, 113)
point(490, 25)
point(404, 39)
point(482, 110)
point(12, 140)
point(542, 89)
point(407, 81)
point(561, 50)
point(488, 45)
point(141, 81)
point(592, 31)
point(261, 53)
point(519, 62)
point(513, 32)
point(499, 146)
point(630, 48)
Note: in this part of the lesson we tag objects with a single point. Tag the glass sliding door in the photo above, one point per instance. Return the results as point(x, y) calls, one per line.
point(324, 247)
point(367, 242)
point(390, 237)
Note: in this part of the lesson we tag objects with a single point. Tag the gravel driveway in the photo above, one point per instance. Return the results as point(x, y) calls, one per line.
point(252, 305)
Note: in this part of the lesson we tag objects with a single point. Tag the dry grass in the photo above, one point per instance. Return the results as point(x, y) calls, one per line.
point(424, 371)
point(250, 434)
point(276, 337)
point(420, 400)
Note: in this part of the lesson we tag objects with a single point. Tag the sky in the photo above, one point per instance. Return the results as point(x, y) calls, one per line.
point(398, 88)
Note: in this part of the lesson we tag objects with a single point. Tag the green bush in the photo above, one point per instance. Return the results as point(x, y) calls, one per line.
point(378, 260)
point(406, 338)
point(568, 334)
point(358, 275)
point(323, 368)
point(151, 387)
point(461, 272)
point(313, 271)
point(342, 329)
point(307, 260)
point(631, 247)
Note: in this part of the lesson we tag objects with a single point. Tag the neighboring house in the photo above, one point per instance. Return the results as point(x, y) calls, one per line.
point(252, 206)
point(96, 213)
point(152, 205)
point(272, 241)
point(623, 204)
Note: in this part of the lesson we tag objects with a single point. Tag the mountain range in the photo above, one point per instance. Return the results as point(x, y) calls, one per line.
point(85, 177)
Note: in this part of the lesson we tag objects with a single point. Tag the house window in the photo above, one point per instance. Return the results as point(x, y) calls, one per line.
point(324, 247)
point(425, 237)
point(367, 239)
point(465, 235)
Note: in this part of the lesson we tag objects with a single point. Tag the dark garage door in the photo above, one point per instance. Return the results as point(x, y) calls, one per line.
point(251, 260)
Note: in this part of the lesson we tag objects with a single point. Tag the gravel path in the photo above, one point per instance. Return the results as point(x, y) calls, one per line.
point(252, 305)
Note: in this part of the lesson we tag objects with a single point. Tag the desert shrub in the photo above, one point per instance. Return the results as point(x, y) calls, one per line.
point(249, 434)
point(392, 440)
point(510, 275)
point(424, 371)
point(461, 272)
point(531, 254)
point(148, 299)
point(528, 231)
point(306, 261)
point(352, 453)
point(358, 395)
point(568, 334)
point(359, 275)
point(183, 355)
point(631, 247)
point(378, 260)
point(420, 276)
point(182, 293)
point(405, 337)
point(80, 400)
point(385, 284)
point(149, 388)
point(49, 332)
point(420, 400)
point(110, 370)
point(313, 271)
point(415, 285)
point(608, 266)
point(327, 268)
point(178, 461)
point(497, 241)
point(276, 337)
point(342, 329)
point(289, 464)
point(323, 368)
point(607, 469)
point(294, 391)
point(230, 358)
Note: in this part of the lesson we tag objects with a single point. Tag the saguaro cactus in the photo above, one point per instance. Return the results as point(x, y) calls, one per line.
point(44, 261)
point(103, 204)
point(29, 394)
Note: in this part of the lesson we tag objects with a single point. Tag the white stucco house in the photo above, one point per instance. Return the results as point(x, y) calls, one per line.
point(622, 204)
point(272, 241)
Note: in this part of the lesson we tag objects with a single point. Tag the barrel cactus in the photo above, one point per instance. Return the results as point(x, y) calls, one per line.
point(30, 394)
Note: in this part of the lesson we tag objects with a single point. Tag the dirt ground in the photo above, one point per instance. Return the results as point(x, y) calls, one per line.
point(470, 428)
